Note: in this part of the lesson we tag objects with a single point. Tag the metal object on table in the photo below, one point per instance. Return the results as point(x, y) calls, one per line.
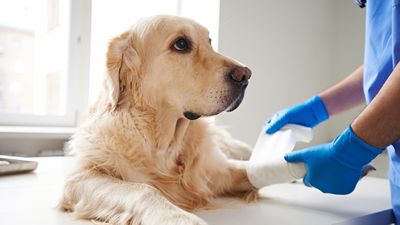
point(15, 165)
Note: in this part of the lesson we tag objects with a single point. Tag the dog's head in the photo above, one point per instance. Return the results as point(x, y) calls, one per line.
point(168, 63)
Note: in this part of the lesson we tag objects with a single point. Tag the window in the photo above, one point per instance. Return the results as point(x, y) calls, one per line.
point(34, 47)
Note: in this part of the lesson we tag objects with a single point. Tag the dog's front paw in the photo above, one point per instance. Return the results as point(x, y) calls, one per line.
point(236, 149)
point(184, 219)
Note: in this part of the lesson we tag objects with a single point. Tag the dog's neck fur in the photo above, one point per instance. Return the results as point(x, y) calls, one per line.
point(164, 128)
point(171, 130)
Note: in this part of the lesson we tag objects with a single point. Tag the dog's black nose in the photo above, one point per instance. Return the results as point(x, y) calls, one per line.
point(240, 74)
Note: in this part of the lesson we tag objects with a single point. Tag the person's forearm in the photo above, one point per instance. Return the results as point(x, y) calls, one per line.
point(346, 94)
point(379, 124)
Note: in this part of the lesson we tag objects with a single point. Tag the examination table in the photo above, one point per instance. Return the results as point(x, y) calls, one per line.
point(31, 198)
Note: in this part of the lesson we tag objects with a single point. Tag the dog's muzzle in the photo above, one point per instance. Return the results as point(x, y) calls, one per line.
point(239, 79)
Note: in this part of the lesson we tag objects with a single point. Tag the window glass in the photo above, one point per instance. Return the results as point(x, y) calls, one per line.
point(33, 56)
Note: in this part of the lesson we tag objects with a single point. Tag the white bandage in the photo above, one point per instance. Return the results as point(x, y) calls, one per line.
point(267, 165)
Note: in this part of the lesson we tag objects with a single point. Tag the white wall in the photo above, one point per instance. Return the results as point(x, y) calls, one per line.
point(348, 50)
point(295, 49)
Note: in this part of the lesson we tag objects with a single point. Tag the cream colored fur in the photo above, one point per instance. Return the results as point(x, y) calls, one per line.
point(140, 160)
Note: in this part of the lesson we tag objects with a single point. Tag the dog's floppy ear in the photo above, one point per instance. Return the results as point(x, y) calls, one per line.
point(123, 65)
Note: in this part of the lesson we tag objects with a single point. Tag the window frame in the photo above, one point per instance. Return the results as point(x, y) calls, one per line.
point(78, 65)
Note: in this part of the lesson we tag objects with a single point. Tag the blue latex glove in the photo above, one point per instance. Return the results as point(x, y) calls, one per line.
point(335, 167)
point(309, 114)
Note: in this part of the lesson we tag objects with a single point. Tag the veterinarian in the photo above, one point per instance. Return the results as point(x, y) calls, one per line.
point(336, 167)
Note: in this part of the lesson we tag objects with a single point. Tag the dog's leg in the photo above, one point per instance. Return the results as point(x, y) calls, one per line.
point(90, 195)
point(238, 184)
point(233, 181)
point(232, 148)
point(230, 179)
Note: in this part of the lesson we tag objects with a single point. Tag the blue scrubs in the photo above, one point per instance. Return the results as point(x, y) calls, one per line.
point(382, 53)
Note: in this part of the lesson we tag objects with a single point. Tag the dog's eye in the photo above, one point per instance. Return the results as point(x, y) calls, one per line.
point(181, 45)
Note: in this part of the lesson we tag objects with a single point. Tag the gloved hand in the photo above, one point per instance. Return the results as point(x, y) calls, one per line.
point(309, 114)
point(335, 167)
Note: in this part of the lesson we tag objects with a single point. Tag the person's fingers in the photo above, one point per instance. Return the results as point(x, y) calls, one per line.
point(298, 157)
point(295, 157)
point(306, 180)
point(275, 124)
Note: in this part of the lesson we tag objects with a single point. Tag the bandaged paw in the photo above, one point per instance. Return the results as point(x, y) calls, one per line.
point(267, 165)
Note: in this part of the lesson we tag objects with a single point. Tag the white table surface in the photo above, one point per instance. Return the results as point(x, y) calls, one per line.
point(30, 199)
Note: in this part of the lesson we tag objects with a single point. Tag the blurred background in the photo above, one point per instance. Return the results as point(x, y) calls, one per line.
point(295, 49)
point(52, 56)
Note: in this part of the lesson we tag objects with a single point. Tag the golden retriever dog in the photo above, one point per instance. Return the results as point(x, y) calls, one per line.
point(146, 153)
